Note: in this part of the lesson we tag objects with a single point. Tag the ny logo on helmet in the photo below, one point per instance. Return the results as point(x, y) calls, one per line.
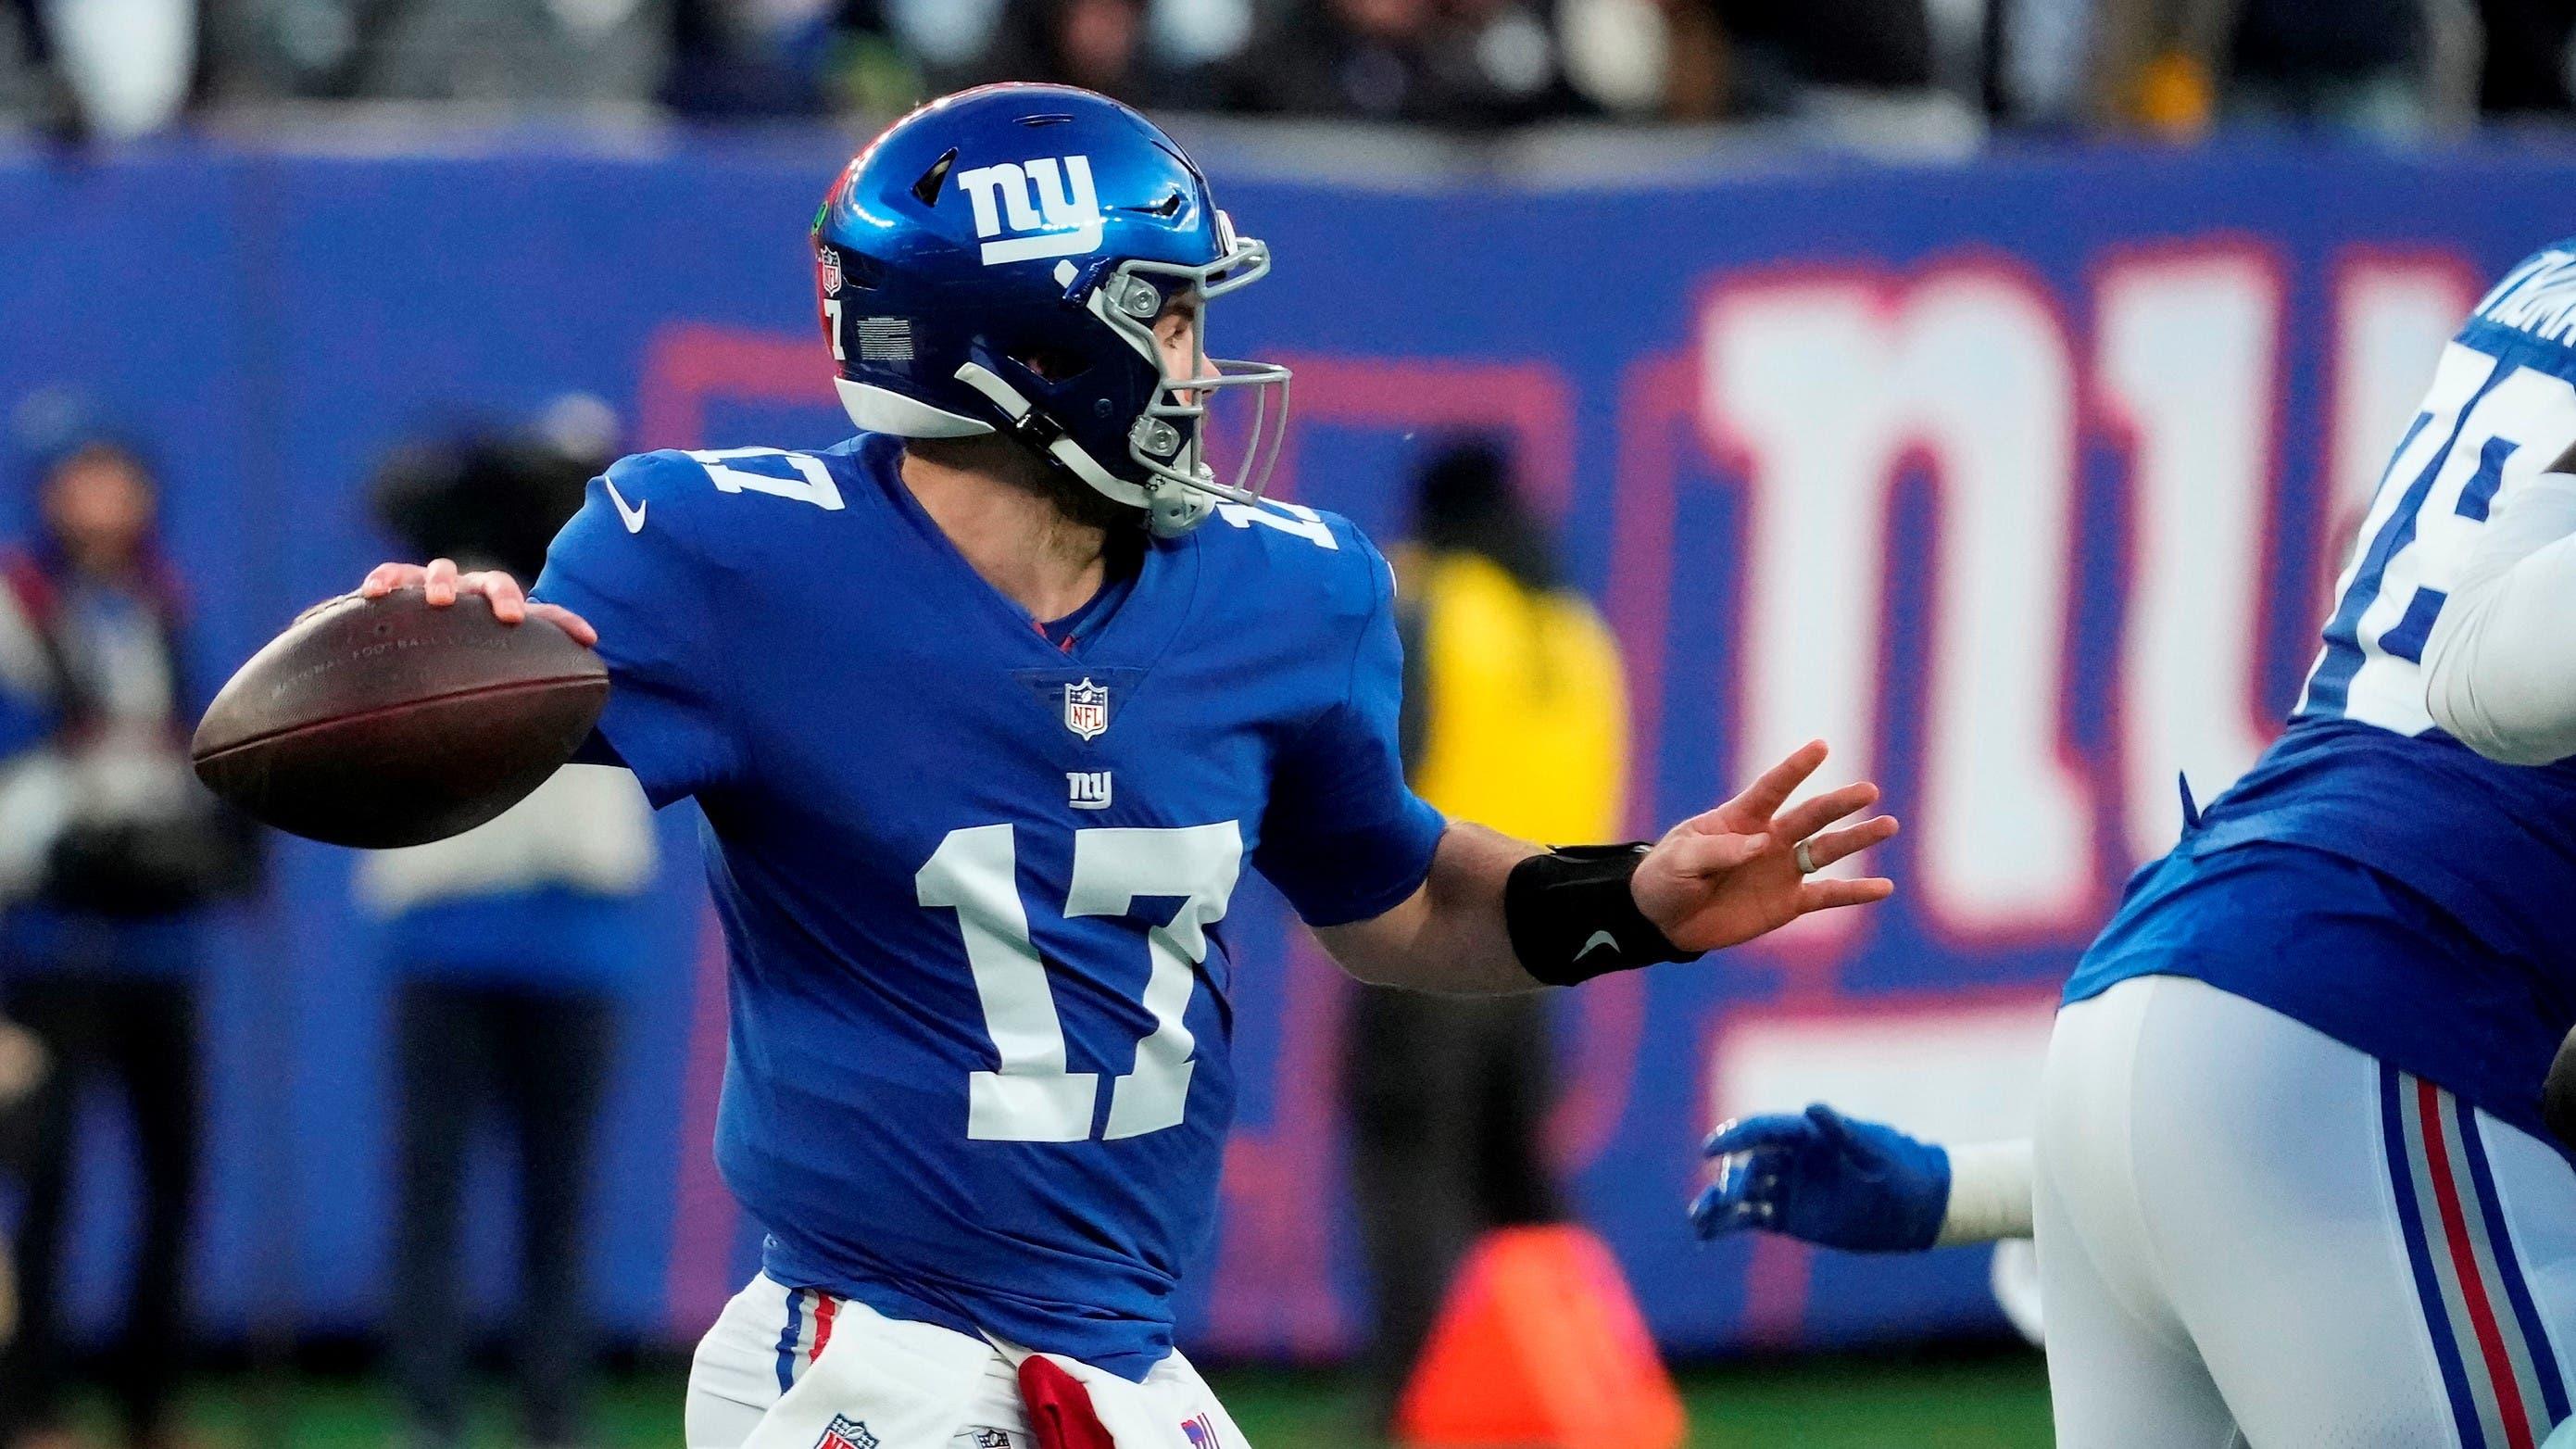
point(1051, 197)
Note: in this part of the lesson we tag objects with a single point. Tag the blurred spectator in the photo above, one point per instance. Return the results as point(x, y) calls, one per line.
point(115, 68)
point(2172, 64)
point(1774, 55)
point(512, 52)
point(2355, 63)
point(49, 103)
point(1618, 53)
point(2528, 57)
point(117, 850)
point(1461, 64)
point(745, 59)
point(957, 42)
point(509, 947)
point(1514, 713)
point(1100, 45)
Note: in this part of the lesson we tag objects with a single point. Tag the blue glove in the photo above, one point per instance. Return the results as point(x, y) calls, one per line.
point(1827, 1179)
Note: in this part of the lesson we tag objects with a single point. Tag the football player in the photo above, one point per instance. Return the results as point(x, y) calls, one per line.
point(2291, 1177)
point(988, 708)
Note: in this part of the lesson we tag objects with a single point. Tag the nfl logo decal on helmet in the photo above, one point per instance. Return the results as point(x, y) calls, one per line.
point(1086, 708)
point(845, 1432)
point(1031, 236)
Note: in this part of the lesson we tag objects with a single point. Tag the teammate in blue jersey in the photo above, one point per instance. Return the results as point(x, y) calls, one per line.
point(988, 709)
point(2291, 1180)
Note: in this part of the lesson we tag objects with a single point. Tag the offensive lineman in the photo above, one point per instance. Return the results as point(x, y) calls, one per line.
point(987, 709)
point(2291, 1179)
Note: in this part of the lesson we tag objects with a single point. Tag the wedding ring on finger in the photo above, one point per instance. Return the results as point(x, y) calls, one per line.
point(1806, 859)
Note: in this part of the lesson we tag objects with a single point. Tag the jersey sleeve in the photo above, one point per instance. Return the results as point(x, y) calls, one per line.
point(1344, 838)
point(2500, 665)
point(629, 567)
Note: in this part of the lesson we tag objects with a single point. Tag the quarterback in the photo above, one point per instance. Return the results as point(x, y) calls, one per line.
point(988, 708)
point(2290, 1179)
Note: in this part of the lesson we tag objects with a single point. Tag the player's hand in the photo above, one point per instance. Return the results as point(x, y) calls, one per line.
point(1827, 1179)
point(441, 584)
point(1733, 873)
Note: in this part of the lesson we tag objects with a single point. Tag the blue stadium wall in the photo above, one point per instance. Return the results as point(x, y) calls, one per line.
point(2022, 479)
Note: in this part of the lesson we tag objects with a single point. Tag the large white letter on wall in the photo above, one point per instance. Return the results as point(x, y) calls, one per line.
point(2186, 344)
point(1822, 388)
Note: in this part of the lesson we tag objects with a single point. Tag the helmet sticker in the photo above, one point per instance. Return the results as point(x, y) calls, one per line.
point(885, 339)
point(1054, 198)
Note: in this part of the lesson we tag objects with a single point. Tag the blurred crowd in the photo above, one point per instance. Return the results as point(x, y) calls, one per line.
point(129, 67)
point(506, 954)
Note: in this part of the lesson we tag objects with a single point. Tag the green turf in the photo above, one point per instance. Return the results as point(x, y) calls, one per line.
point(1872, 1403)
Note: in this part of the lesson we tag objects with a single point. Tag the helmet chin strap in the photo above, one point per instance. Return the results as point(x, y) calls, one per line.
point(1169, 512)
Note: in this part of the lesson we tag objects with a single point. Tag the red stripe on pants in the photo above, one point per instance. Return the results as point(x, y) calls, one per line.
point(2464, 1259)
point(825, 1307)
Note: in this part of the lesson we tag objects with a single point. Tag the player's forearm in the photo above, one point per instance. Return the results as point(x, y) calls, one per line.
point(1990, 1193)
point(2500, 666)
point(1450, 936)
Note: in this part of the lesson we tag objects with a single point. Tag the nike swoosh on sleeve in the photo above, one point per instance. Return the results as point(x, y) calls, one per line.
point(1599, 940)
point(633, 514)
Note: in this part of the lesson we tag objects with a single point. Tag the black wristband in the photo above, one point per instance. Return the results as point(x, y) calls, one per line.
point(1572, 916)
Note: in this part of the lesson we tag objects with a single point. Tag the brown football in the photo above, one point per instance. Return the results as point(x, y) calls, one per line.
point(386, 722)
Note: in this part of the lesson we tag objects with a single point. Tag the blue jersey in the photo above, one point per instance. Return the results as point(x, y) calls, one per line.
point(2479, 854)
point(973, 875)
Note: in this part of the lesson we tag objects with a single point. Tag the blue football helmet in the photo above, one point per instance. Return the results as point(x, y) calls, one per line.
point(995, 261)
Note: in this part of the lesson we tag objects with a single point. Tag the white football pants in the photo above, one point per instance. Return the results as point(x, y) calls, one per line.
point(792, 1370)
point(2250, 1232)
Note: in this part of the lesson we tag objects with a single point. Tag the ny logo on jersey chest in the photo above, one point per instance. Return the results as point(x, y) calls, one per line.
point(1089, 789)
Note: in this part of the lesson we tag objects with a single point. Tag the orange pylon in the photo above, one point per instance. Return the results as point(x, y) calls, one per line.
point(1540, 1347)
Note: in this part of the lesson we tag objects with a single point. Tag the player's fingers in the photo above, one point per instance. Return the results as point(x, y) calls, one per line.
point(1770, 792)
point(384, 578)
point(1712, 1212)
point(438, 583)
point(1749, 1134)
point(1809, 816)
point(568, 621)
point(1695, 857)
point(1826, 895)
point(1833, 845)
point(509, 603)
point(1832, 1128)
point(1746, 1194)
point(1720, 1209)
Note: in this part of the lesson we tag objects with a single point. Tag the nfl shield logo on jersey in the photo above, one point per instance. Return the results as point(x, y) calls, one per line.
point(846, 1433)
point(1086, 708)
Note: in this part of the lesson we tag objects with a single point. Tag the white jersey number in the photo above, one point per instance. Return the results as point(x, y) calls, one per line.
point(812, 483)
point(2487, 427)
point(1291, 518)
point(1034, 1097)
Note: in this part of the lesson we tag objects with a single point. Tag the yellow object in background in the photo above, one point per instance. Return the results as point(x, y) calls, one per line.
point(2174, 95)
point(1527, 706)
